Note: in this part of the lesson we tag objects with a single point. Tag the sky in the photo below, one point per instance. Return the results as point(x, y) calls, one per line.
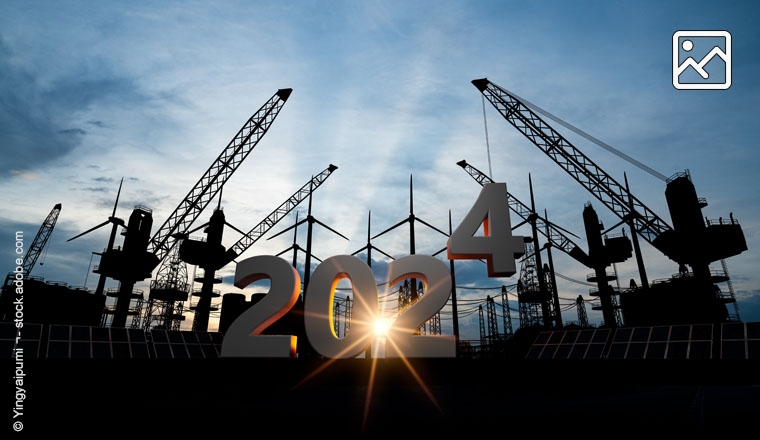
point(152, 92)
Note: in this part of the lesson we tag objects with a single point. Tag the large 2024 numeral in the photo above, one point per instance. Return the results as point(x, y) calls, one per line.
point(497, 246)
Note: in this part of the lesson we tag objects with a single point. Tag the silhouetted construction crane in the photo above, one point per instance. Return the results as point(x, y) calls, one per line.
point(141, 253)
point(310, 220)
point(30, 259)
point(693, 242)
point(210, 255)
point(40, 240)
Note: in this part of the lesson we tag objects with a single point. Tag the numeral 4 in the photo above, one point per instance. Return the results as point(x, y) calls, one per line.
point(498, 247)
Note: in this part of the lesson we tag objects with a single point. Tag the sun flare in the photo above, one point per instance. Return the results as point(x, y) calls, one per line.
point(382, 326)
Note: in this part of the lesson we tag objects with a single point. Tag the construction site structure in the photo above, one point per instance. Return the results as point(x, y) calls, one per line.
point(141, 253)
point(533, 301)
point(692, 241)
point(580, 306)
point(22, 271)
point(506, 313)
point(604, 252)
point(167, 295)
point(210, 254)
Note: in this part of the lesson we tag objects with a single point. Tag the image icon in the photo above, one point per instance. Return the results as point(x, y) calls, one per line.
point(702, 60)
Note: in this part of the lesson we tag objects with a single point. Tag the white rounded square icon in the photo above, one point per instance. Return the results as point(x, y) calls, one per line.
point(702, 60)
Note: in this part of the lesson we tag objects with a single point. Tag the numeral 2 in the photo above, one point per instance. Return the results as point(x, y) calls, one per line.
point(244, 338)
point(402, 340)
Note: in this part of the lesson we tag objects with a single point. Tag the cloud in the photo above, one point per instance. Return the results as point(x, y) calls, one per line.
point(39, 119)
point(26, 175)
point(73, 131)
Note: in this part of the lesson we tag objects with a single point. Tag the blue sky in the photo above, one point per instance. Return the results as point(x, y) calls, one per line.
point(93, 92)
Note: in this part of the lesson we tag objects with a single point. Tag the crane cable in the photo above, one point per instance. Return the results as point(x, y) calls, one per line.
point(587, 136)
point(488, 146)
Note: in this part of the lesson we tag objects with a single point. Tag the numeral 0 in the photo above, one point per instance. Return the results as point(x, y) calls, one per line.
point(318, 306)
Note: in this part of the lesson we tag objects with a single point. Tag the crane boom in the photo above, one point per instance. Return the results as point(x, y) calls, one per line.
point(40, 240)
point(556, 237)
point(281, 211)
point(605, 188)
point(216, 176)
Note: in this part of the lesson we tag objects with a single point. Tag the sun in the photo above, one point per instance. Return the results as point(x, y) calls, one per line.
point(382, 326)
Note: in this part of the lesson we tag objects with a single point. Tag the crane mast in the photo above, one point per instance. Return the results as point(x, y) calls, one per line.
point(141, 253)
point(603, 186)
point(281, 211)
point(217, 175)
point(211, 256)
point(40, 240)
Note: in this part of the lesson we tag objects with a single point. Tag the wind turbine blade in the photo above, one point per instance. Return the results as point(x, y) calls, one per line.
point(234, 228)
point(381, 251)
point(554, 225)
point(430, 226)
point(391, 228)
point(330, 229)
point(519, 224)
point(286, 250)
point(287, 229)
point(365, 247)
point(89, 230)
point(116, 203)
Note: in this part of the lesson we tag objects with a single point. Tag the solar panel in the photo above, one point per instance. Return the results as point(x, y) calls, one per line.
point(60, 333)
point(753, 349)
point(548, 352)
point(7, 339)
point(185, 344)
point(740, 340)
point(594, 351)
point(101, 350)
point(617, 351)
point(569, 344)
point(79, 342)
point(7, 331)
point(80, 350)
point(58, 350)
point(656, 350)
point(753, 330)
point(636, 350)
point(601, 335)
point(578, 351)
point(79, 333)
point(677, 350)
point(663, 342)
point(138, 344)
point(179, 350)
point(585, 336)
